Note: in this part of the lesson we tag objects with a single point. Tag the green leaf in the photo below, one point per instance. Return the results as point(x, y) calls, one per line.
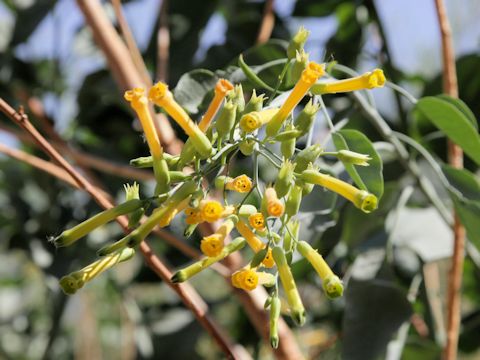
point(193, 87)
point(366, 177)
point(463, 181)
point(460, 105)
point(453, 122)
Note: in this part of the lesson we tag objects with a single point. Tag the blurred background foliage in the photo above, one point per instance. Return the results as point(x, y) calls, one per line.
point(396, 259)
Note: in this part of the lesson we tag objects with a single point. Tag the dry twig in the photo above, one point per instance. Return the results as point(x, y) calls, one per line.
point(455, 158)
point(268, 22)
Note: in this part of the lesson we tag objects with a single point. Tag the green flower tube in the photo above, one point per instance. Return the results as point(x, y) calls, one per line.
point(332, 285)
point(198, 266)
point(275, 307)
point(287, 146)
point(293, 297)
point(76, 280)
point(294, 200)
point(147, 161)
point(226, 119)
point(68, 237)
point(305, 119)
point(360, 198)
point(181, 196)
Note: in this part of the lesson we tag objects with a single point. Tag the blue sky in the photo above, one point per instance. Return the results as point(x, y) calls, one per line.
point(410, 25)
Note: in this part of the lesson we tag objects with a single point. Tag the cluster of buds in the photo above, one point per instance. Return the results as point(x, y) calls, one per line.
point(271, 228)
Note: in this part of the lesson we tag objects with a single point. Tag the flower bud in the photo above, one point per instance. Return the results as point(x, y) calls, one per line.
point(350, 157)
point(284, 178)
point(226, 119)
point(294, 199)
point(300, 64)
point(307, 156)
point(147, 161)
point(247, 147)
point(306, 118)
point(255, 103)
point(287, 147)
point(275, 307)
point(297, 42)
point(133, 192)
point(246, 210)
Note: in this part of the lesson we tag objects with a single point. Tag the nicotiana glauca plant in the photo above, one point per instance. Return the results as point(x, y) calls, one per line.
point(270, 227)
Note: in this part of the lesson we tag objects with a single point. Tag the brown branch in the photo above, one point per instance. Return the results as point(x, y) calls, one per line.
point(455, 158)
point(131, 43)
point(120, 61)
point(186, 293)
point(268, 22)
point(163, 43)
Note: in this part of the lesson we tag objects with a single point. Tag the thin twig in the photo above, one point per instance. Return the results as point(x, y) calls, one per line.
point(267, 24)
point(163, 43)
point(131, 43)
point(455, 158)
point(186, 293)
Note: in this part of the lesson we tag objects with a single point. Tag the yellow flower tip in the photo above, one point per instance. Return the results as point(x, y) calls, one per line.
point(241, 184)
point(375, 79)
point(313, 71)
point(257, 221)
point(158, 92)
point(212, 245)
point(250, 122)
point(193, 216)
point(333, 287)
point(211, 210)
point(134, 94)
point(246, 279)
point(365, 201)
point(222, 87)
point(268, 261)
point(274, 205)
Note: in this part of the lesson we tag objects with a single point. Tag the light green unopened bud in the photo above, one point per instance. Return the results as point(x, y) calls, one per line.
point(255, 103)
point(275, 307)
point(246, 210)
point(306, 118)
point(300, 64)
point(132, 192)
point(307, 156)
point(297, 42)
point(247, 147)
point(351, 157)
point(162, 176)
point(294, 199)
point(287, 146)
point(68, 237)
point(237, 98)
point(226, 119)
point(291, 235)
point(284, 179)
point(147, 161)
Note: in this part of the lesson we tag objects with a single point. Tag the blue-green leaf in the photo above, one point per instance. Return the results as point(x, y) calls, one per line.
point(453, 122)
point(370, 177)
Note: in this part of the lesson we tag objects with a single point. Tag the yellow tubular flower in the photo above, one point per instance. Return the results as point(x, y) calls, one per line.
point(257, 221)
point(161, 96)
point(193, 216)
point(246, 279)
point(241, 184)
point(222, 87)
point(360, 198)
point(212, 245)
point(138, 101)
point(253, 241)
point(369, 80)
point(274, 205)
point(308, 78)
point(210, 210)
point(268, 261)
point(167, 219)
point(256, 119)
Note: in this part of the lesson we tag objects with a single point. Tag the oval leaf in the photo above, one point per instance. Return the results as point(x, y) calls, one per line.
point(453, 122)
point(370, 177)
point(192, 88)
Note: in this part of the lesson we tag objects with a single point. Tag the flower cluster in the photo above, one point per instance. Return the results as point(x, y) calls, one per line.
point(265, 219)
